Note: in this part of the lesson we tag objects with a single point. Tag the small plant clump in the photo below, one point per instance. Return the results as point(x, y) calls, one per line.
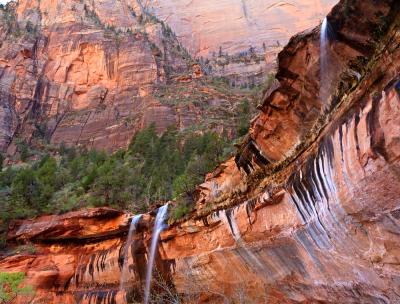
point(11, 287)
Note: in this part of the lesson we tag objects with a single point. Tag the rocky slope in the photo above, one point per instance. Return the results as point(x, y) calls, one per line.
point(85, 73)
point(307, 212)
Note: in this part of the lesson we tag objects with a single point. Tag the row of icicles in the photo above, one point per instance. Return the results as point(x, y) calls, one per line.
point(159, 226)
point(162, 212)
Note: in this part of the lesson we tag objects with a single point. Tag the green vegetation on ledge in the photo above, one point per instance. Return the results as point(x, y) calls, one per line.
point(11, 287)
point(154, 169)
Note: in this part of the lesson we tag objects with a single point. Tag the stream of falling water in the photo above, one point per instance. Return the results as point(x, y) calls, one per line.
point(324, 60)
point(159, 226)
point(132, 229)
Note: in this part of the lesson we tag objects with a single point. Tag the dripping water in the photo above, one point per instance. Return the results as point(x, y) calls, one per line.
point(324, 44)
point(132, 229)
point(326, 33)
point(159, 226)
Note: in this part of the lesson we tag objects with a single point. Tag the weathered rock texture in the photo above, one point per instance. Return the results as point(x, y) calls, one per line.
point(206, 25)
point(313, 217)
point(84, 73)
point(209, 28)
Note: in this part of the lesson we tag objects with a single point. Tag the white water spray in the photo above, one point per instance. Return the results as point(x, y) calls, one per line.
point(324, 40)
point(324, 60)
point(132, 229)
point(159, 226)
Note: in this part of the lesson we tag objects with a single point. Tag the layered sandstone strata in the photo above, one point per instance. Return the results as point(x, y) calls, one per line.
point(210, 28)
point(205, 26)
point(316, 221)
point(85, 73)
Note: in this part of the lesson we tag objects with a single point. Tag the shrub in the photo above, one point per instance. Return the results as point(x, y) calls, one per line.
point(244, 117)
point(27, 248)
point(183, 208)
point(10, 286)
point(24, 150)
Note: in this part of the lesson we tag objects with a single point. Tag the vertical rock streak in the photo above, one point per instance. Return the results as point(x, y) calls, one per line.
point(228, 217)
point(341, 215)
point(132, 229)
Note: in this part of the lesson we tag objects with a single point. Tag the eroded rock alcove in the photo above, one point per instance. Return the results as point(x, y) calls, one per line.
point(307, 212)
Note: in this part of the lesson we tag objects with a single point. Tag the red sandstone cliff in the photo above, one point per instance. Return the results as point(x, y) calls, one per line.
point(231, 28)
point(205, 26)
point(92, 73)
point(307, 212)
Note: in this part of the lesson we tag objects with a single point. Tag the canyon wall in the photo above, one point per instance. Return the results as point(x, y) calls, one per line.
point(90, 73)
point(227, 32)
point(307, 212)
point(205, 26)
point(93, 74)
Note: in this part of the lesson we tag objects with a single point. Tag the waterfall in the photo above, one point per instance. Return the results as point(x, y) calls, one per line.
point(159, 226)
point(135, 220)
point(325, 36)
point(324, 41)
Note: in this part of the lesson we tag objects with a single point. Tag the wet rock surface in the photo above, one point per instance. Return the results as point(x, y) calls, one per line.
point(319, 225)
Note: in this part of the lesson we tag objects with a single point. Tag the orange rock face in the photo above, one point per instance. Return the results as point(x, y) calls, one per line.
point(322, 237)
point(281, 223)
point(85, 73)
point(210, 28)
point(205, 25)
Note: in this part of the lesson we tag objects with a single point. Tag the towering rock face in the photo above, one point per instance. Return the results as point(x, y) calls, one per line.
point(238, 39)
point(85, 73)
point(205, 26)
point(89, 73)
point(308, 218)
point(67, 62)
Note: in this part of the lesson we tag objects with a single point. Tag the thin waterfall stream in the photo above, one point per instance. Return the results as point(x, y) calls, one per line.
point(159, 226)
point(325, 36)
point(132, 229)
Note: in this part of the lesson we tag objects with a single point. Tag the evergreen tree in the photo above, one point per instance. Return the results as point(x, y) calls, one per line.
point(1, 162)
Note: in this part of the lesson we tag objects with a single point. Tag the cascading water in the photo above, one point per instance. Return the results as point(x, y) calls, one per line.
point(326, 33)
point(132, 229)
point(159, 226)
point(324, 41)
